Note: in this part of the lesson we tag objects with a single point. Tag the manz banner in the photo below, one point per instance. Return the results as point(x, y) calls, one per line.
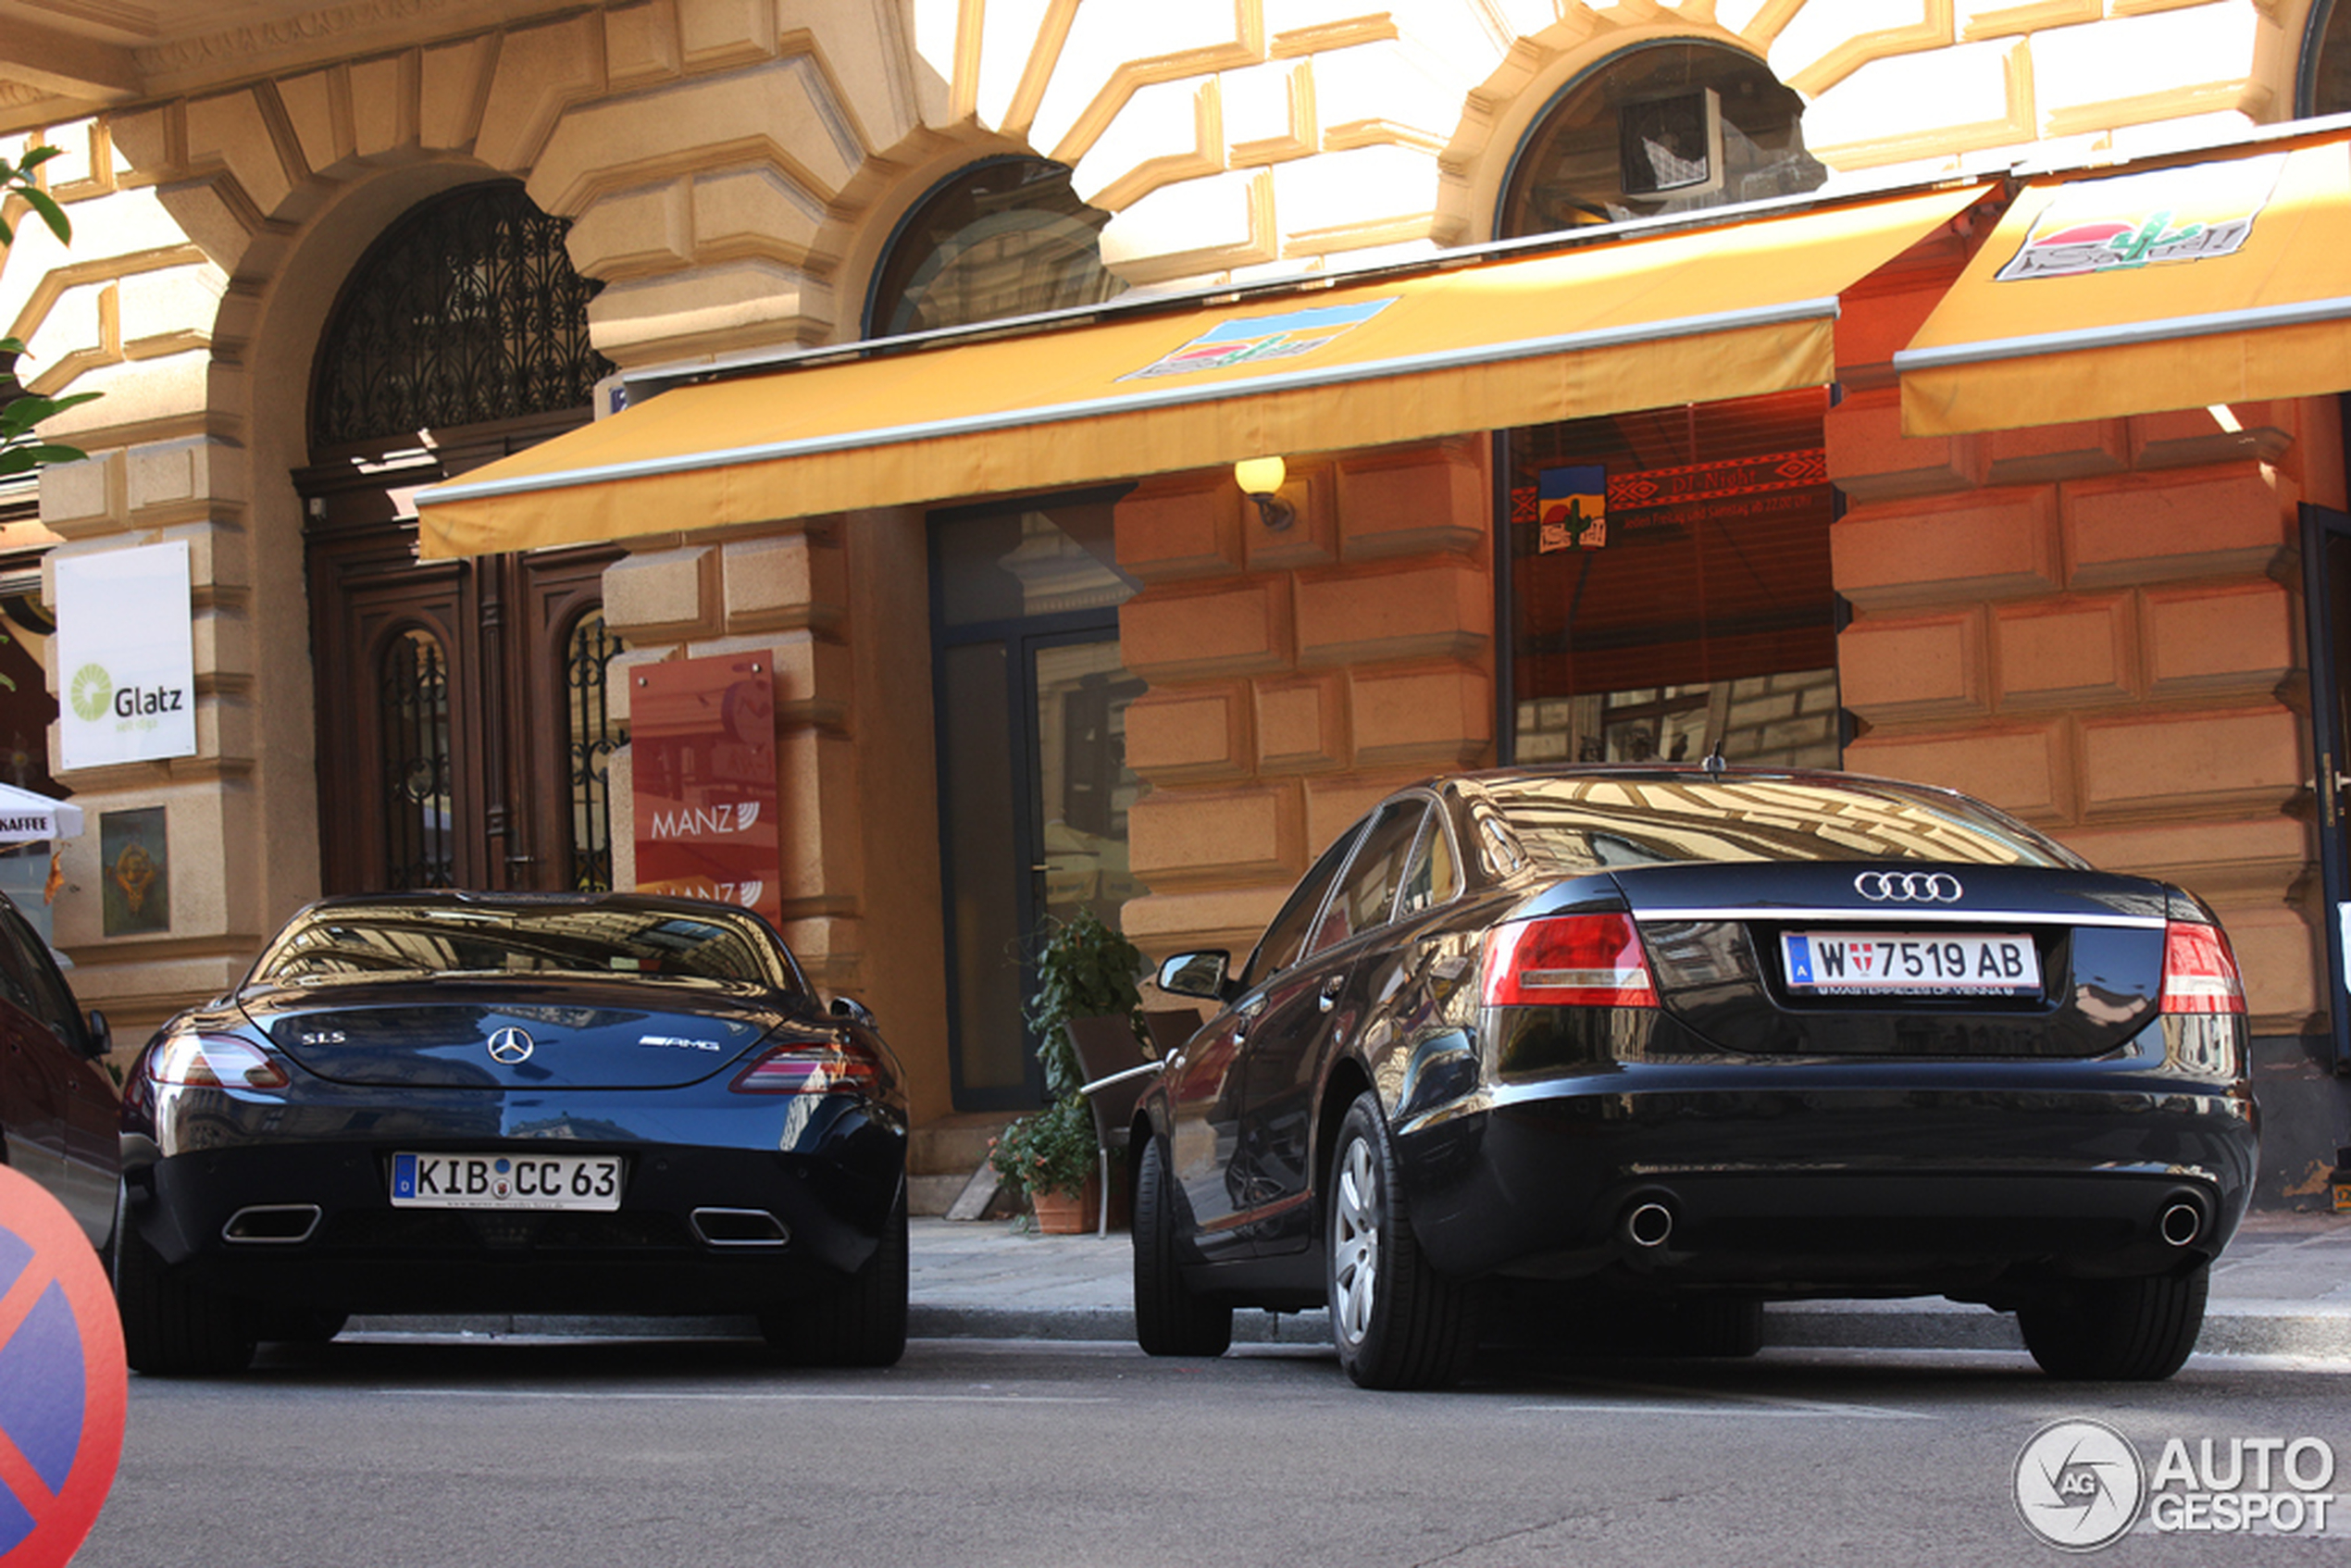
point(125, 656)
point(702, 741)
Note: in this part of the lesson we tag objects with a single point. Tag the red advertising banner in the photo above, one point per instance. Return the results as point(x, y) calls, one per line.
point(702, 744)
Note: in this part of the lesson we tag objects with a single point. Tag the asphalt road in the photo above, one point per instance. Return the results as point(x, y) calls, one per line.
point(969, 1454)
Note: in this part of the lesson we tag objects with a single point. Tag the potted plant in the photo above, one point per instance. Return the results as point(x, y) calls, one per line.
point(1084, 969)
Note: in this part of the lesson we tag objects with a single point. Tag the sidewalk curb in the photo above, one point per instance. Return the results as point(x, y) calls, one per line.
point(2322, 1334)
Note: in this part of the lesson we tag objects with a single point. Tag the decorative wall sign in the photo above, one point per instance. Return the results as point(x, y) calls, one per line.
point(135, 856)
point(1574, 508)
point(126, 654)
point(702, 750)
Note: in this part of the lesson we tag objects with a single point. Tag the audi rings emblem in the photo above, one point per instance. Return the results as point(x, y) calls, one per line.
point(1908, 887)
point(510, 1047)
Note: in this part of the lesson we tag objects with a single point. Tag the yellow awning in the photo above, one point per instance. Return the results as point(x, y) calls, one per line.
point(2224, 280)
point(1683, 317)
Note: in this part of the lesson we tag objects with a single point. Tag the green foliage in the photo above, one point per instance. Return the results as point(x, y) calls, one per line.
point(22, 448)
point(1085, 970)
point(1048, 1150)
point(15, 180)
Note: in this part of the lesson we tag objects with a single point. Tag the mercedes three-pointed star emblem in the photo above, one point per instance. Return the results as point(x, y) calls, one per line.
point(510, 1046)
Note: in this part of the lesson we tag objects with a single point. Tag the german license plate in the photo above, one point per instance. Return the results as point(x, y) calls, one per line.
point(1912, 964)
point(505, 1181)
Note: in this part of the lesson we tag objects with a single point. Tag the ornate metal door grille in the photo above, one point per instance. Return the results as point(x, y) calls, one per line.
point(595, 735)
point(417, 806)
point(467, 311)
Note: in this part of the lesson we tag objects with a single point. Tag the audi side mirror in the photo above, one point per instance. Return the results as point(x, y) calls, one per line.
point(1196, 974)
point(98, 1038)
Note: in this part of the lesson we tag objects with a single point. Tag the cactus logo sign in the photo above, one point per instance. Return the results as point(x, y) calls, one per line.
point(2171, 216)
point(126, 645)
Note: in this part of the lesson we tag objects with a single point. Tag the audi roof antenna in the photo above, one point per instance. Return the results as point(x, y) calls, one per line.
point(1714, 761)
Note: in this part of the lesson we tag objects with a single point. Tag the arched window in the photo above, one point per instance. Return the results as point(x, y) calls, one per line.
point(466, 311)
point(1671, 589)
point(1003, 238)
point(2326, 60)
point(1662, 128)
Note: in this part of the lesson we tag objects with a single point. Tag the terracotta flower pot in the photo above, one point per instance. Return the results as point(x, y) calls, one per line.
point(1067, 1213)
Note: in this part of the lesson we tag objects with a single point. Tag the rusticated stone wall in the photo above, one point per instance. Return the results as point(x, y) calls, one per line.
point(1296, 676)
point(2097, 626)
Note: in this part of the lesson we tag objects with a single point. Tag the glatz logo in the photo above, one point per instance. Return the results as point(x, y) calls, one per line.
point(702, 822)
point(134, 701)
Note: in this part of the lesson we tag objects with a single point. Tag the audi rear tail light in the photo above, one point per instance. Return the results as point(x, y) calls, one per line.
point(808, 1067)
point(1568, 961)
point(215, 1062)
point(2199, 971)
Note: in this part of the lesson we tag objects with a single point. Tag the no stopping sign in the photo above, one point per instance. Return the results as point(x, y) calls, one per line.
point(61, 1379)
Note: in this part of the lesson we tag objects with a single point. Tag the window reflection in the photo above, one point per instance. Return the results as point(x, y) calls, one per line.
point(1662, 129)
point(1582, 825)
point(1005, 237)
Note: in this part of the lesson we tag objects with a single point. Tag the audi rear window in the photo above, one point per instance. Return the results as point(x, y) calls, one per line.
point(1572, 825)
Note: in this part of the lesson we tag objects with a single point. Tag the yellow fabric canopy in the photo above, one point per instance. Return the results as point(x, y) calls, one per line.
point(1676, 317)
point(2197, 284)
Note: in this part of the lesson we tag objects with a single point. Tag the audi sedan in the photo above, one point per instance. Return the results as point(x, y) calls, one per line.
point(1608, 1057)
point(456, 1101)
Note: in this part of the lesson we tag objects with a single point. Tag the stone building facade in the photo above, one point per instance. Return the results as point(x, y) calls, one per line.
point(2099, 625)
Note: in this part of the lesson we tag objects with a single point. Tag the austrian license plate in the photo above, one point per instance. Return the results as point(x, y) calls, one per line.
point(505, 1181)
point(1912, 964)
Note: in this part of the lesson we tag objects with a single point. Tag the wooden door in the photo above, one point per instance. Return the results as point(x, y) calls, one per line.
point(449, 747)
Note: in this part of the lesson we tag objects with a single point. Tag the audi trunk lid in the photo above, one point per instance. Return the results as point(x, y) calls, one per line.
point(1902, 958)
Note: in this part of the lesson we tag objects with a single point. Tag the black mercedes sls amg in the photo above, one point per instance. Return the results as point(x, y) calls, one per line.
point(441, 1102)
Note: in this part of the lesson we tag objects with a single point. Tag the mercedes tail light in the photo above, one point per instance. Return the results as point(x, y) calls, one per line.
point(215, 1062)
point(2199, 971)
point(1568, 961)
point(803, 1066)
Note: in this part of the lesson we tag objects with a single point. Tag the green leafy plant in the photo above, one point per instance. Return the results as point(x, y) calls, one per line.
point(1050, 1151)
point(1084, 969)
point(22, 448)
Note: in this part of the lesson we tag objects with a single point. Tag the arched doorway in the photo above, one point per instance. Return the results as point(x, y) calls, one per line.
point(462, 727)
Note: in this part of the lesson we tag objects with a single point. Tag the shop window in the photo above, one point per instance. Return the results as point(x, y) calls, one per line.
point(1670, 586)
point(1664, 128)
point(2326, 60)
point(1003, 238)
point(466, 311)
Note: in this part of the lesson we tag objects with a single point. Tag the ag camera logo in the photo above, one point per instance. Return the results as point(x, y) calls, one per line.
point(2078, 1485)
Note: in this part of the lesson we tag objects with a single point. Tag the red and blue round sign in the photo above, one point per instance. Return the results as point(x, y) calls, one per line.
point(62, 1381)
